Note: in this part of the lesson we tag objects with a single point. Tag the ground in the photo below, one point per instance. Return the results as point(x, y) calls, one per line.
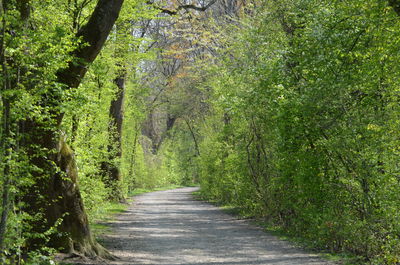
point(170, 227)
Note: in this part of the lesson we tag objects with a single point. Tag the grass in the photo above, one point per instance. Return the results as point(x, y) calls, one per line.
point(227, 208)
point(109, 212)
point(337, 257)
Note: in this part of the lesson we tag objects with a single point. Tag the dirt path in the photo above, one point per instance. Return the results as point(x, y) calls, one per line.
point(169, 227)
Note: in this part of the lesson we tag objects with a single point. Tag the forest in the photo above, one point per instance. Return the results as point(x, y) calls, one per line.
point(287, 111)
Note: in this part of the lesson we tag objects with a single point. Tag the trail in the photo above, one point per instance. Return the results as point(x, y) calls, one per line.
point(170, 227)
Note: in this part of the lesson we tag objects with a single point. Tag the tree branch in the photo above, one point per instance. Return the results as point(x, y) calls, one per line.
point(94, 35)
point(182, 7)
point(196, 144)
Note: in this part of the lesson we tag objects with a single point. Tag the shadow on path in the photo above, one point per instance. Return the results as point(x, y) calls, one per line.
point(169, 227)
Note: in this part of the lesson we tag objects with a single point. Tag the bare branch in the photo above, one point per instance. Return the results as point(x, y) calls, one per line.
point(182, 7)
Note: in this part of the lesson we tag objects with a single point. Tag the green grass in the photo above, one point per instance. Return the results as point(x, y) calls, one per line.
point(338, 258)
point(109, 212)
point(342, 258)
point(227, 208)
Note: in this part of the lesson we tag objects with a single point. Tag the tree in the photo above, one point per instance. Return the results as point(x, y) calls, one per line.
point(110, 168)
point(303, 106)
point(127, 43)
point(6, 131)
point(55, 189)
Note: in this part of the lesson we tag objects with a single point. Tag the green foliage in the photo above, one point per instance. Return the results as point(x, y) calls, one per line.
point(179, 157)
point(291, 116)
point(301, 131)
point(36, 49)
point(32, 56)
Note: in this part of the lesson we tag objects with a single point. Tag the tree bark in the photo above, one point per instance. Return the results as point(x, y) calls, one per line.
point(5, 205)
point(5, 134)
point(7, 131)
point(55, 191)
point(111, 168)
point(112, 173)
point(94, 33)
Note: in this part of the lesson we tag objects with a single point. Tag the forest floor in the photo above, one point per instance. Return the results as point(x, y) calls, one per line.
point(171, 227)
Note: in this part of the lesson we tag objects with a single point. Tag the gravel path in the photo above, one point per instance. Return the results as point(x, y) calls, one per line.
point(170, 227)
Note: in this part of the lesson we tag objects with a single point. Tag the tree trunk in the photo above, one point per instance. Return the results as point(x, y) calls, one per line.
point(112, 173)
point(5, 133)
point(55, 191)
point(5, 204)
point(56, 195)
point(94, 33)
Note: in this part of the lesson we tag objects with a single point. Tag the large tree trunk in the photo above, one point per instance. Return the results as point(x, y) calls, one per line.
point(55, 191)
